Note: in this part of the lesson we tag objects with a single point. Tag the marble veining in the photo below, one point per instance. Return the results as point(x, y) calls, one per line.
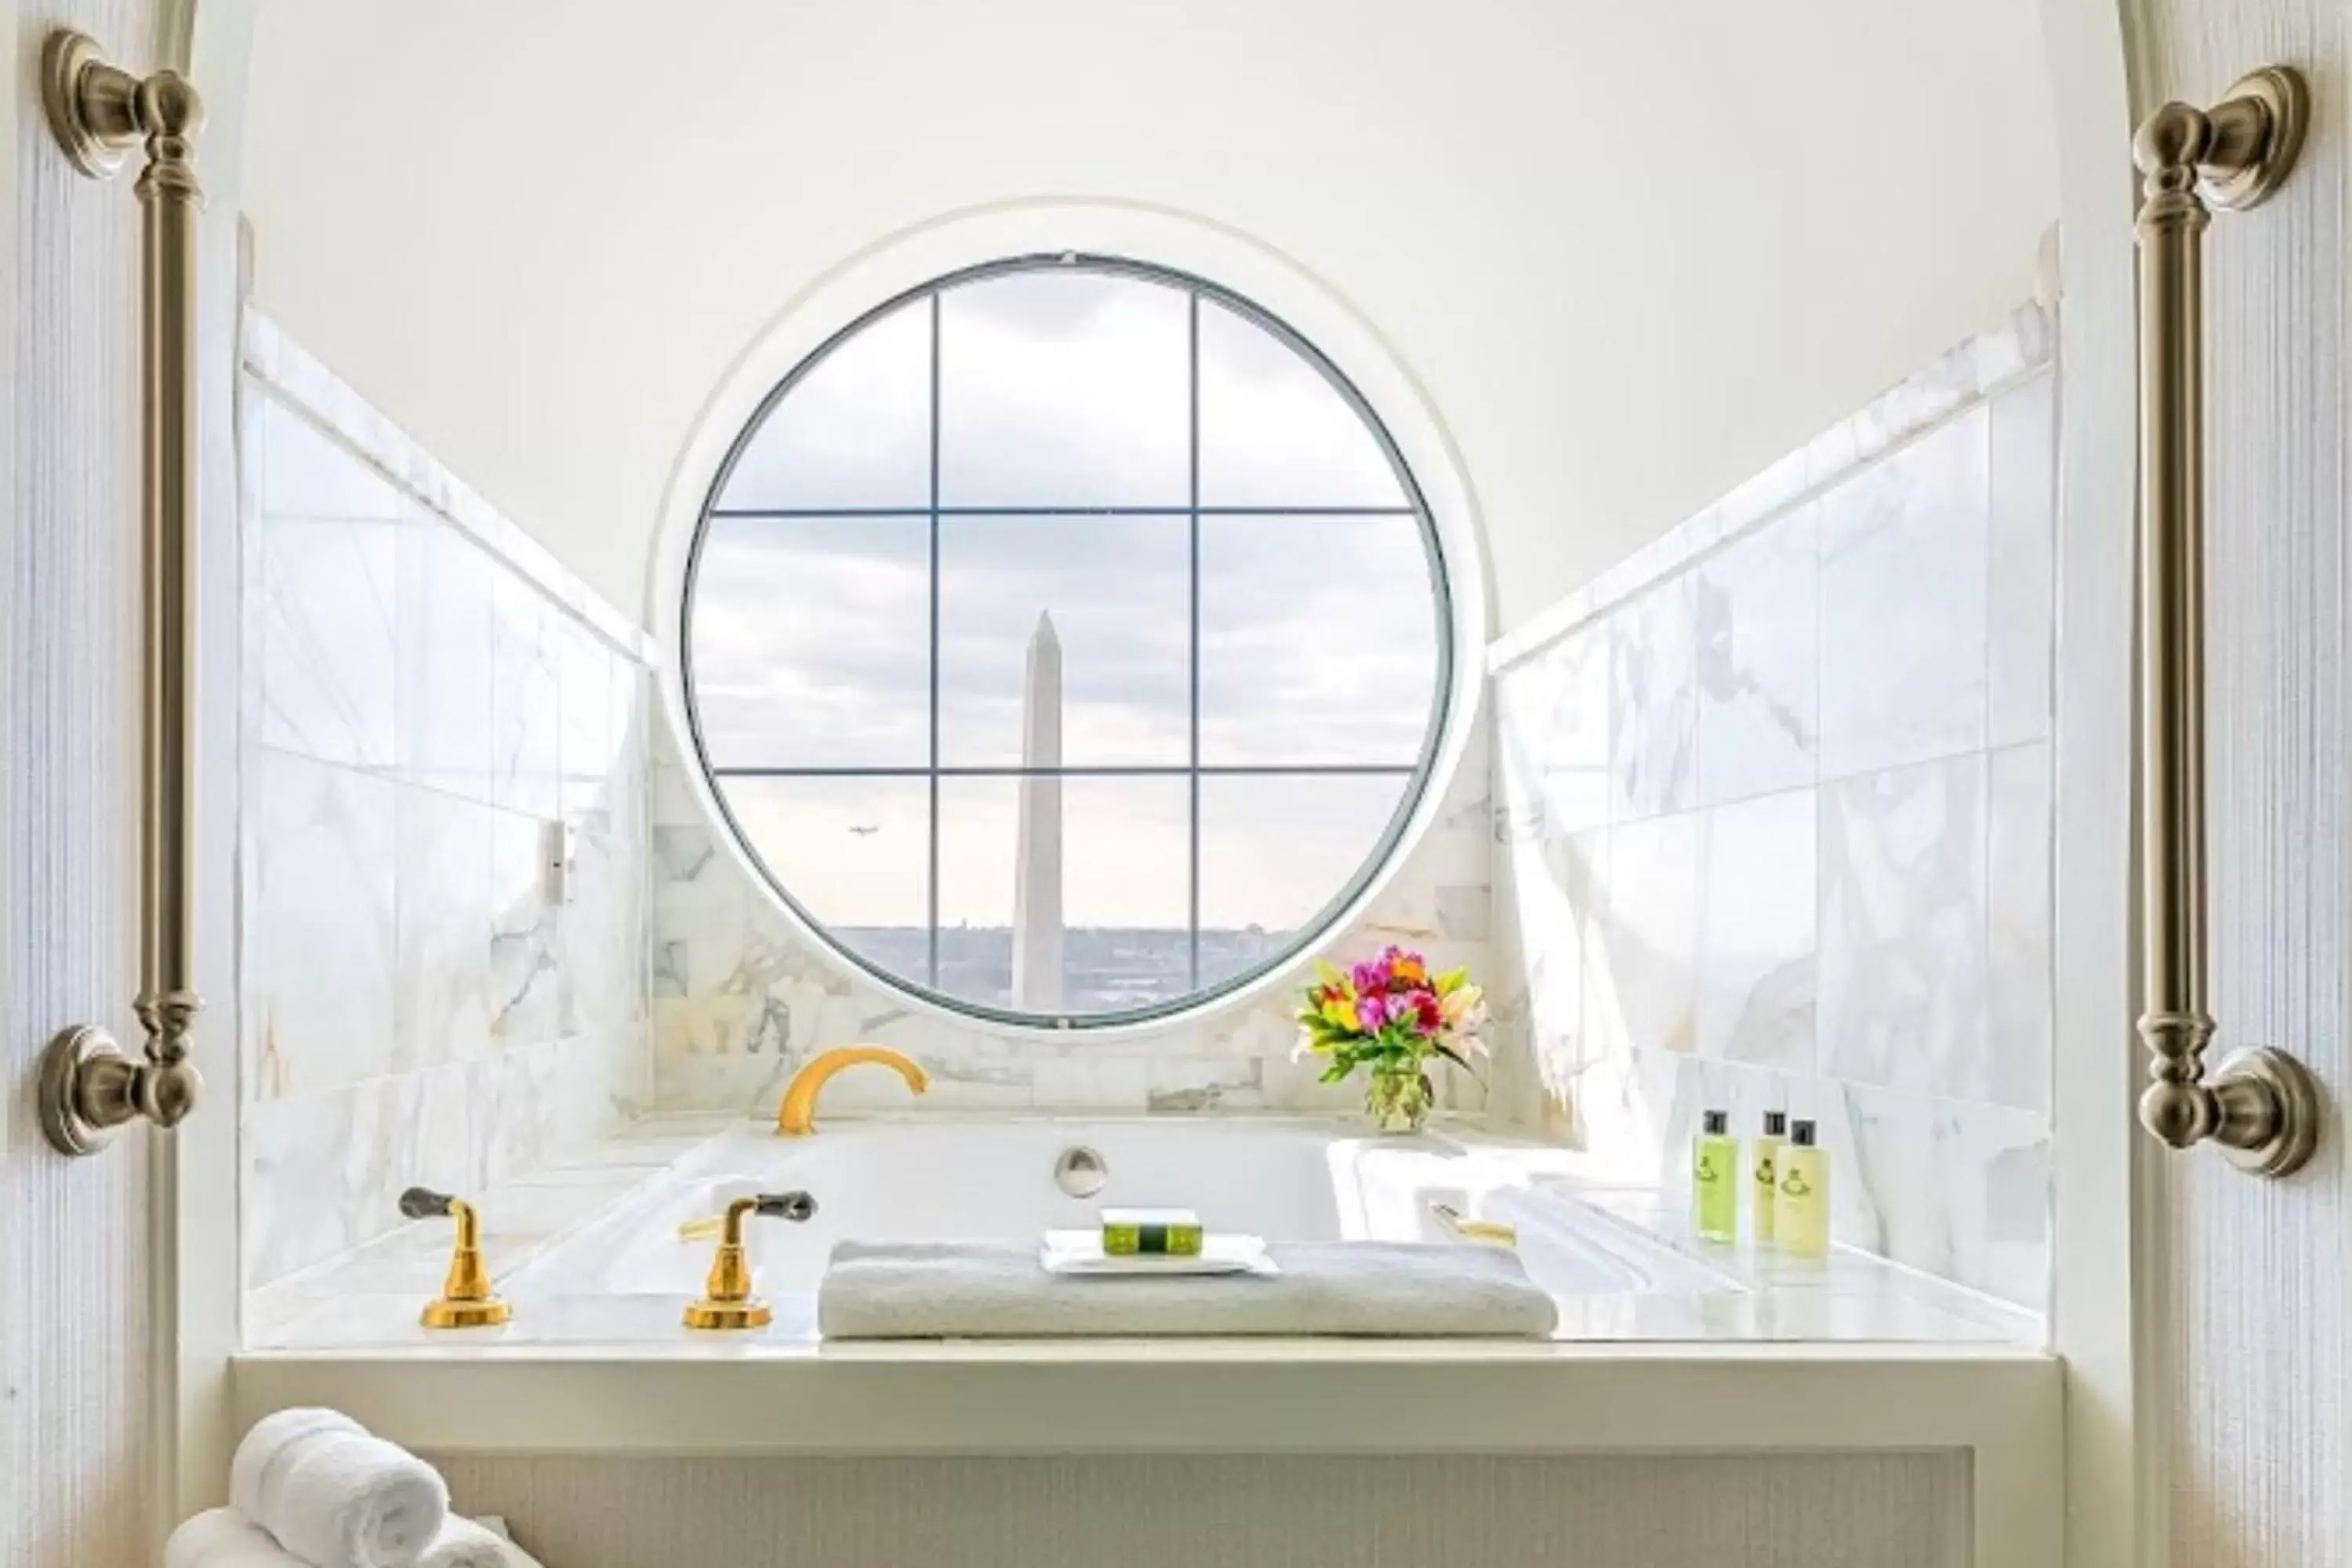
point(445, 928)
point(522, 979)
point(1653, 704)
point(2019, 888)
point(1904, 976)
point(1758, 728)
point(1855, 922)
point(420, 1005)
point(325, 633)
point(525, 694)
point(446, 627)
point(318, 950)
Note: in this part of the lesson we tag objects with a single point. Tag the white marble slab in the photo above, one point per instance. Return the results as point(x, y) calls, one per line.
point(1653, 703)
point(445, 630)
point(446, 927)
point(319, 936)
point(1904, 574)
point(1757, 667)
point(526, 696)
point(1904, 978)
point(1855, 926)
point(322, 629)
point(1756, 975)
point(2021, 652)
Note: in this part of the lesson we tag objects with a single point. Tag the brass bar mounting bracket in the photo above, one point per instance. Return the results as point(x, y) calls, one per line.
point(100, 112)
point(2259, 1105)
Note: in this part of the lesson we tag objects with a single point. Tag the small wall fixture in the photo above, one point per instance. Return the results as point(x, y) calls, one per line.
point(98, 111)
point(2260, 1105)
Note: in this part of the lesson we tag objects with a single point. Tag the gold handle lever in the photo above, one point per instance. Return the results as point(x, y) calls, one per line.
point(466, 1301)
point(727, 1300)
point(794, 1206)
point(2260, 1106)
point(98, 111)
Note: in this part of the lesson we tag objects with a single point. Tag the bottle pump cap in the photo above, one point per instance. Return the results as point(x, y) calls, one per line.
point(1801, 1133)
point(1716, 1123)
point(1776, 1124)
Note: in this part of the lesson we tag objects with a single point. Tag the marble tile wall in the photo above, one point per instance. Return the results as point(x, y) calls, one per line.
point(741, 999)
point(1774, 825)
point(435, 715)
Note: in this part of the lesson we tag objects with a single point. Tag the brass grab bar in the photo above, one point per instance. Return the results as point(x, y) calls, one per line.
point(2259, 1105)
point(98, 112)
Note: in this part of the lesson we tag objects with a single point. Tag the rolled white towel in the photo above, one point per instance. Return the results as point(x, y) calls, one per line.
point(335, 1496)
point(224, 1538)
point(463, 1544)
point(516, 1556)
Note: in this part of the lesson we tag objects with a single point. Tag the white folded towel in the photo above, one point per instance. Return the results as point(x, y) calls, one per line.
point(335, 1496)
point(463, 1544)
point(224, 1538)
point(899, 1290)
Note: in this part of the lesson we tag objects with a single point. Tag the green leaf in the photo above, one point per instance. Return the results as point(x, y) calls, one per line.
point(1456, 1057)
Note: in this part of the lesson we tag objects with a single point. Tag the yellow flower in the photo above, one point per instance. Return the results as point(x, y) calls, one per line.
point(1340, 1012)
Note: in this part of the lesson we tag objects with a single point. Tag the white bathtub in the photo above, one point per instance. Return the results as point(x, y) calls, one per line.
point(941, 1178)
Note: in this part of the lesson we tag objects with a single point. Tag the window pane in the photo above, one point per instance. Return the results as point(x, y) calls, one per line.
point(1064, 389)
point(1276, 432)
point(1275, 851)
point(811, 642)
point(854, 431)
point(1089, 616)
point(1319, 640)
point(854, 853)
point(1112, 853)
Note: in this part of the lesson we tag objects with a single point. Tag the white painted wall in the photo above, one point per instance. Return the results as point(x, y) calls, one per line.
point(1634, 251)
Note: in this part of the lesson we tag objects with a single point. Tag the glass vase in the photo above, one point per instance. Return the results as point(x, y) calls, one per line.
point(1397, 1100)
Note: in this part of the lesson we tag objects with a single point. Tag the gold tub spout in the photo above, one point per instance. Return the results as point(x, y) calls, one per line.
point(797, 1116)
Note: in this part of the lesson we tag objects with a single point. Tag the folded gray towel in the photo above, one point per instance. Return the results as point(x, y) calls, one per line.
point(933, 1290)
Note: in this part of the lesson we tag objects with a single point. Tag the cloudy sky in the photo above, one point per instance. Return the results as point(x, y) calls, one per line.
point(1064, 388)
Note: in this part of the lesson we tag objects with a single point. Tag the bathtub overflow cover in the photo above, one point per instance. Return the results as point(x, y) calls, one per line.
point(1080, 1171)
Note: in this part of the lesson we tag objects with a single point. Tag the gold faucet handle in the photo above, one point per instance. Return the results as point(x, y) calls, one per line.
point(466, 1301)
point(727, 1300)
point(794, 1206)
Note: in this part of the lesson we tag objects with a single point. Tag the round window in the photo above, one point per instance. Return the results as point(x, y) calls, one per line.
point(1066, 642)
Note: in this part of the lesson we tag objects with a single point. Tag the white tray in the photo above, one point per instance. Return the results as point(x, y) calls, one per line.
point(1080, 1252)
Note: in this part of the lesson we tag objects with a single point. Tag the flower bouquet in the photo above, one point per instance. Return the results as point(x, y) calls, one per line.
point(1389, 1016)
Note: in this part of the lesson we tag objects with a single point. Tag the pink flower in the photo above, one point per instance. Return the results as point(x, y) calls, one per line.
point(1427, 1012)
point(1371, 979)
point(1399, 1007)
point(1371, 1013)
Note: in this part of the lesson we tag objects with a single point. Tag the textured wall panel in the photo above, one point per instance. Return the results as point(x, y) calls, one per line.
point(1886, 1510)
point(2252, 1374)
point(75, 1466)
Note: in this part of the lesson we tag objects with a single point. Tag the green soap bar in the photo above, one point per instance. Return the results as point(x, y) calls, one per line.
point(1130, 1232)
